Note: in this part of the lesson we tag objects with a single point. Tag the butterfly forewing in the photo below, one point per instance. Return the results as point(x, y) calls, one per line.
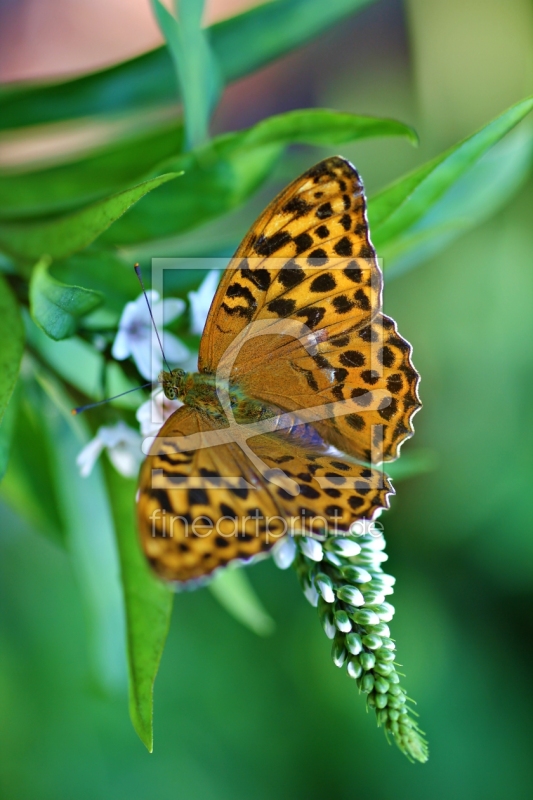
point(308, 256)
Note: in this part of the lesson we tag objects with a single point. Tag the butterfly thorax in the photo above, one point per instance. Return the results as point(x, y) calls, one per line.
point(199, 390)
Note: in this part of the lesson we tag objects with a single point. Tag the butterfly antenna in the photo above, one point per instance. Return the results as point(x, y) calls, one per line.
point(138, 273)
point(79, 409)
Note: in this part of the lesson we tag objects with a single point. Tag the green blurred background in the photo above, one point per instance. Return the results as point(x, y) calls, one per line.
point(237, 715)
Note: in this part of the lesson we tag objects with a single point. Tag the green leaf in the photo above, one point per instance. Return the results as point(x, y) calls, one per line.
point(235, 593)
point(28, 485)
point(224, 173)
point(240, 45)
point(86, 514)
point(110, 168)
point(7, 430)
point(12, 339)
point(196, 71)
point(477, 195)
point(55, 306)
point(148, 604)
point(397, 208)
point(82, 366)
point(245, 43)
point(101, 270)
point(62, 236)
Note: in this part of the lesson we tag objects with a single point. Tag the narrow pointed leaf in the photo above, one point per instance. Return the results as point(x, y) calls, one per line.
point(223, 174)
point(196, 71)
point(241, 45)
point(397, 208)
point(84, 509)
point(148, 605)
point(46, 190)
point(29, 485)
point(62, 236)
point(7, 430)
point(476, 196)
point(12, 343)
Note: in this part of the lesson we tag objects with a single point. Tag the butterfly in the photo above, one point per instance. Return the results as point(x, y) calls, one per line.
point(303, 386)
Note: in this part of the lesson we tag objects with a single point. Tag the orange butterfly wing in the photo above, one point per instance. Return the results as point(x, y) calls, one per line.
point(228, 510)
point(307, 276)
point(309, 258)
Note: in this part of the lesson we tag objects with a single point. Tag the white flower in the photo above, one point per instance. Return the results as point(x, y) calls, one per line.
point(137, 338)
point(123, 446)
point(156, 410)
point(311, 548)
point(201, 300)
point(284, 552)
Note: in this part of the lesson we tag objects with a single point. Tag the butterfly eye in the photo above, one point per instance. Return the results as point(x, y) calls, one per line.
point(170, 392)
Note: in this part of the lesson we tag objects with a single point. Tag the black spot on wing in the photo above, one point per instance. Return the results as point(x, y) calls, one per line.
point(259, 277)
point(239, 311)
point(324, 211)
point(340, 374)
point(313, 316)
point(366, 252)
point(361, 396)
point(242, 493)
point(237, 290)
point(341, 465)
point(268, 245)
point(163, 499)
point(352, 358)
point(386, 356)
point(353, 272)
point(368, 334)
point(283, 307)
point(303, 242)
point(323, 283)
point(362, 300)
point(395, 383)
point(309, 491)
point(343, 247)
point(355, 502)
point(290, 275)
point(389, 410)
point(221, 542)
point(197, 497)
point(297, 206)
point(317, 258)
point(345, 221)
point(340, 341)
point(355, 421)
point(342, 304)
point(370, 376)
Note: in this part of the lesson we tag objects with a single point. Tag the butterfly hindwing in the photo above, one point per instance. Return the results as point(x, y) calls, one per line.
point(189, 531)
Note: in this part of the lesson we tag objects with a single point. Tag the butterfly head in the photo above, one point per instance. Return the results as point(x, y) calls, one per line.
point(172, 383)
